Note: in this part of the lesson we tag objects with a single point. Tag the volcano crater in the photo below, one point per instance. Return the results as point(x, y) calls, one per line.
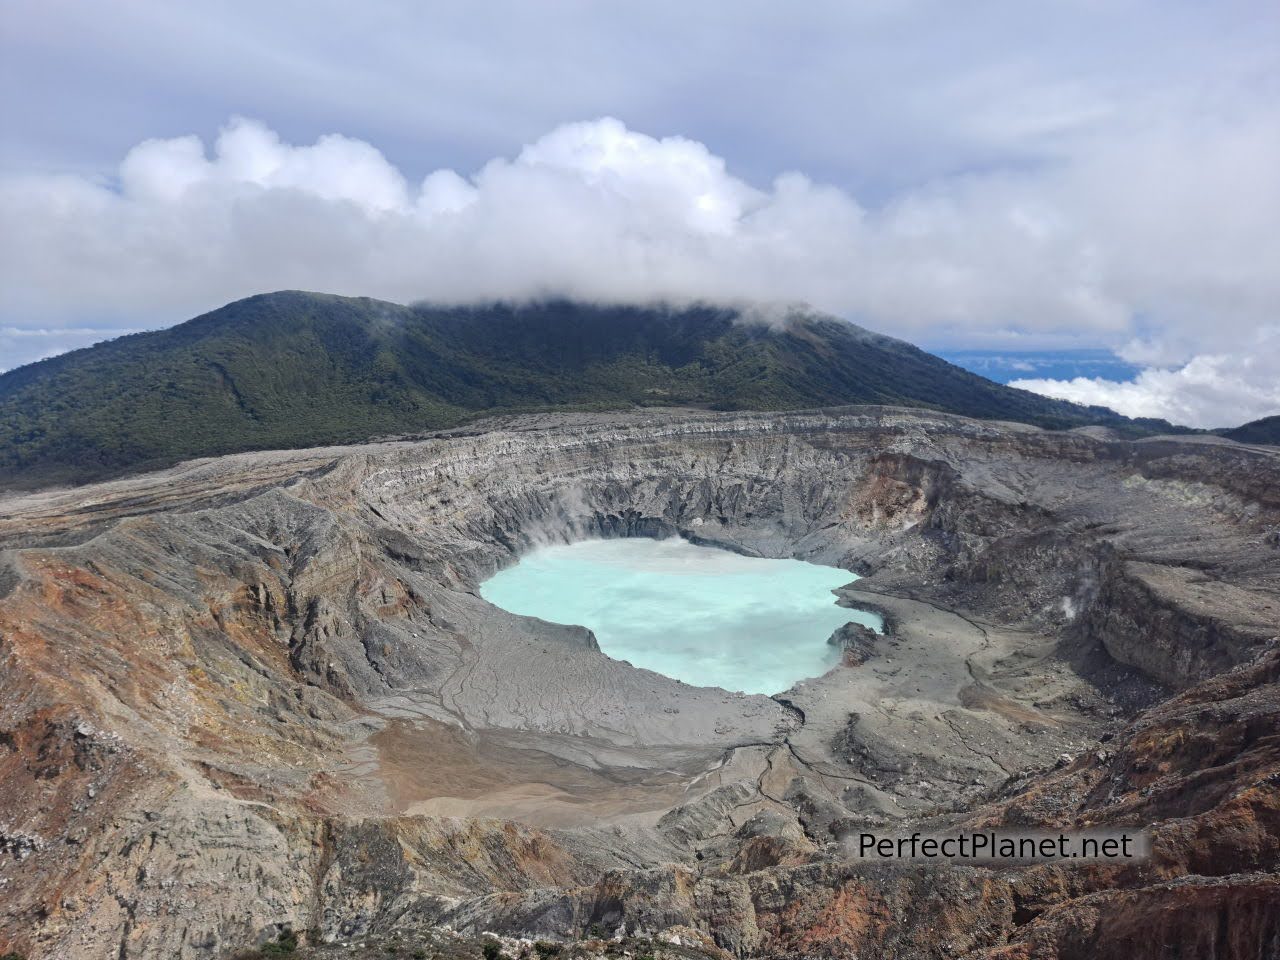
point(274, 675)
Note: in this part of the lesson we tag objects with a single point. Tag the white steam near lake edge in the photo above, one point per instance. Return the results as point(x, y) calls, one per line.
point(1158, 239)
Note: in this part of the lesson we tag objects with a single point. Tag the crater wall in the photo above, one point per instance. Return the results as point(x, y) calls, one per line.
point(262, 692)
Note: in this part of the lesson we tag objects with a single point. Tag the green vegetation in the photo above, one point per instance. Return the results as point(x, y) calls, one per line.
point(1266, 430)
point(299, 369)
point(284, 945)
point(281, 946)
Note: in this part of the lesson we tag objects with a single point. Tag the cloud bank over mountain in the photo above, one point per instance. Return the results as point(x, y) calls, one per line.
point(1160, 240)
point(1212, 390)
point(1000, 176)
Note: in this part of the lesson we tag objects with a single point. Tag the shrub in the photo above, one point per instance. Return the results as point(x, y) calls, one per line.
point(282, 945)
point(492, 950)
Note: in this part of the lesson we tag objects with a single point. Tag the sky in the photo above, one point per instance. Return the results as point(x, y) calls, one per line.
point(994, 176)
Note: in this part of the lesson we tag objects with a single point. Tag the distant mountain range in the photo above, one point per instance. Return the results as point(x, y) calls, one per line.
point(297, 369)
point(1266, 430)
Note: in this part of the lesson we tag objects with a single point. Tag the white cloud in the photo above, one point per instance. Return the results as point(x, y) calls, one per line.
point(1154, 231)
point(247, 154)
point(29, 344)
point(1212, 390)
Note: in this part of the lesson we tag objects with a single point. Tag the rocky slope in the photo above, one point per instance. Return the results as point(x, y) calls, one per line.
point(261, 693)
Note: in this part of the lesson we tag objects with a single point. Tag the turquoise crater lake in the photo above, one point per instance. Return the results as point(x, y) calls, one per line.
point(705, 616)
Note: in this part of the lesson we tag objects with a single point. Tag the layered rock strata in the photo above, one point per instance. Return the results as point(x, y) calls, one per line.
point(261, 693)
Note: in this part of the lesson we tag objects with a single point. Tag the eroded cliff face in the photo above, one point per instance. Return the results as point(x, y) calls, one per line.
point(261, 693)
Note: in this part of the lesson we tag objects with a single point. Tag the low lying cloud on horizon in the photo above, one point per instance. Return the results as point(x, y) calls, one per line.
point(1158, 240)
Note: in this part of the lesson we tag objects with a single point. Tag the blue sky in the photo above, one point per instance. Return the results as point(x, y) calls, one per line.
point(1002, 176)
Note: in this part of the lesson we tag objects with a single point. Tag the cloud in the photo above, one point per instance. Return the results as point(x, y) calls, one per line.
point(28, 344)
point(1212, 390)
point(335, 168)
point(1158, 234)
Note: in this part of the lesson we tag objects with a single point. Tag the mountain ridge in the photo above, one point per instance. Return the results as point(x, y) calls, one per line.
point(295, 369)
point(1265, 430)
